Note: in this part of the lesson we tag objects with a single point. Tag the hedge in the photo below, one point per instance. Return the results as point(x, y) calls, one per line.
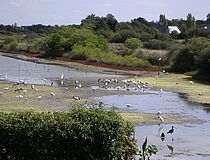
point(78, 134)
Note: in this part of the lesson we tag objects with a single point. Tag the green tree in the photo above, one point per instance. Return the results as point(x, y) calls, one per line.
point(53, 45)
point(208, 17)
point(190, 21)
point(162, 20)
point(133, 43)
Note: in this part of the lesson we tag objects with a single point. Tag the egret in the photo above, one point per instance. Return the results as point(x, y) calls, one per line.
point(80, 85)
point(1, 93)
point(191, 82)
point(200, 94)
point(6, 88)
point(52, 94)
point(62, 76)
point(76, 82)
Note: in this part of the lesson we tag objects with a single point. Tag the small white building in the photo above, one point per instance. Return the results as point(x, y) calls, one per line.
point(173, 28)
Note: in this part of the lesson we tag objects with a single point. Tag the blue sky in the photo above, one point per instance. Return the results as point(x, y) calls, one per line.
point(27, 12)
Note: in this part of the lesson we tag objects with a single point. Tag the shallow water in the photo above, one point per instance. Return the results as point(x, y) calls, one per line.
point(191, 142)
point(34, 73)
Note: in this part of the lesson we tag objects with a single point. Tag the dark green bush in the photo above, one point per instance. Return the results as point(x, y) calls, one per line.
point(78, 134)
point(184, 61)
point(156, 44)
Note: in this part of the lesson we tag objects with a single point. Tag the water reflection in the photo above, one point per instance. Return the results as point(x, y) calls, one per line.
point(16, 70)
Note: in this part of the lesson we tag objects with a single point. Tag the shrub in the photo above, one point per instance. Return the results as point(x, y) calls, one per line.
point(156, 44)
point(133, 43)
point(184, 61)
point(78, 134)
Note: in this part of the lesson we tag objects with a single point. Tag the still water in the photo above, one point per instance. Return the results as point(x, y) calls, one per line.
point(189, 141)
point(14, 70)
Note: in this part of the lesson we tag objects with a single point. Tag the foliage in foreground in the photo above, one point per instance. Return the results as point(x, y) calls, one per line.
point(78, 134)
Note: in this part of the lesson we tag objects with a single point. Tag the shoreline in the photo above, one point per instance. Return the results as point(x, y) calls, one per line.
point(80, 65)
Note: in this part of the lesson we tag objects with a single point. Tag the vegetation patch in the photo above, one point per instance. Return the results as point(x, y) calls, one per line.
point(77, 134)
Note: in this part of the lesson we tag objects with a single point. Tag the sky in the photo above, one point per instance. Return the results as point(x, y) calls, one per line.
point(64, 12)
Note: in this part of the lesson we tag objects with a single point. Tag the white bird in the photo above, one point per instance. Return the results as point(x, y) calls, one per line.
point(191, 82)
point(45, 80)
point(76, 82)
point(32, 87)
point(161, 118)
point(6, 88)
point(6, 77)
point(62, 76)
point(62, 82)
point(200, 94)
point(1, 93)
point(52, 94)
point(80, 85)
point(36, 90)
point(19, 96)
point(39, 98)
point(76, 98)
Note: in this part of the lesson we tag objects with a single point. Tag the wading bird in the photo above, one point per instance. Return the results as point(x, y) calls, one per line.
point(171, 130)
point(52, 94)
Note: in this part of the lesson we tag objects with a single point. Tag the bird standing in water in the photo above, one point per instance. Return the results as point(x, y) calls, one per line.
point(171, 130)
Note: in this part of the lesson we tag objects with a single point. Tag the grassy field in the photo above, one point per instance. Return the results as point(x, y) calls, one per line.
point(194, 91)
